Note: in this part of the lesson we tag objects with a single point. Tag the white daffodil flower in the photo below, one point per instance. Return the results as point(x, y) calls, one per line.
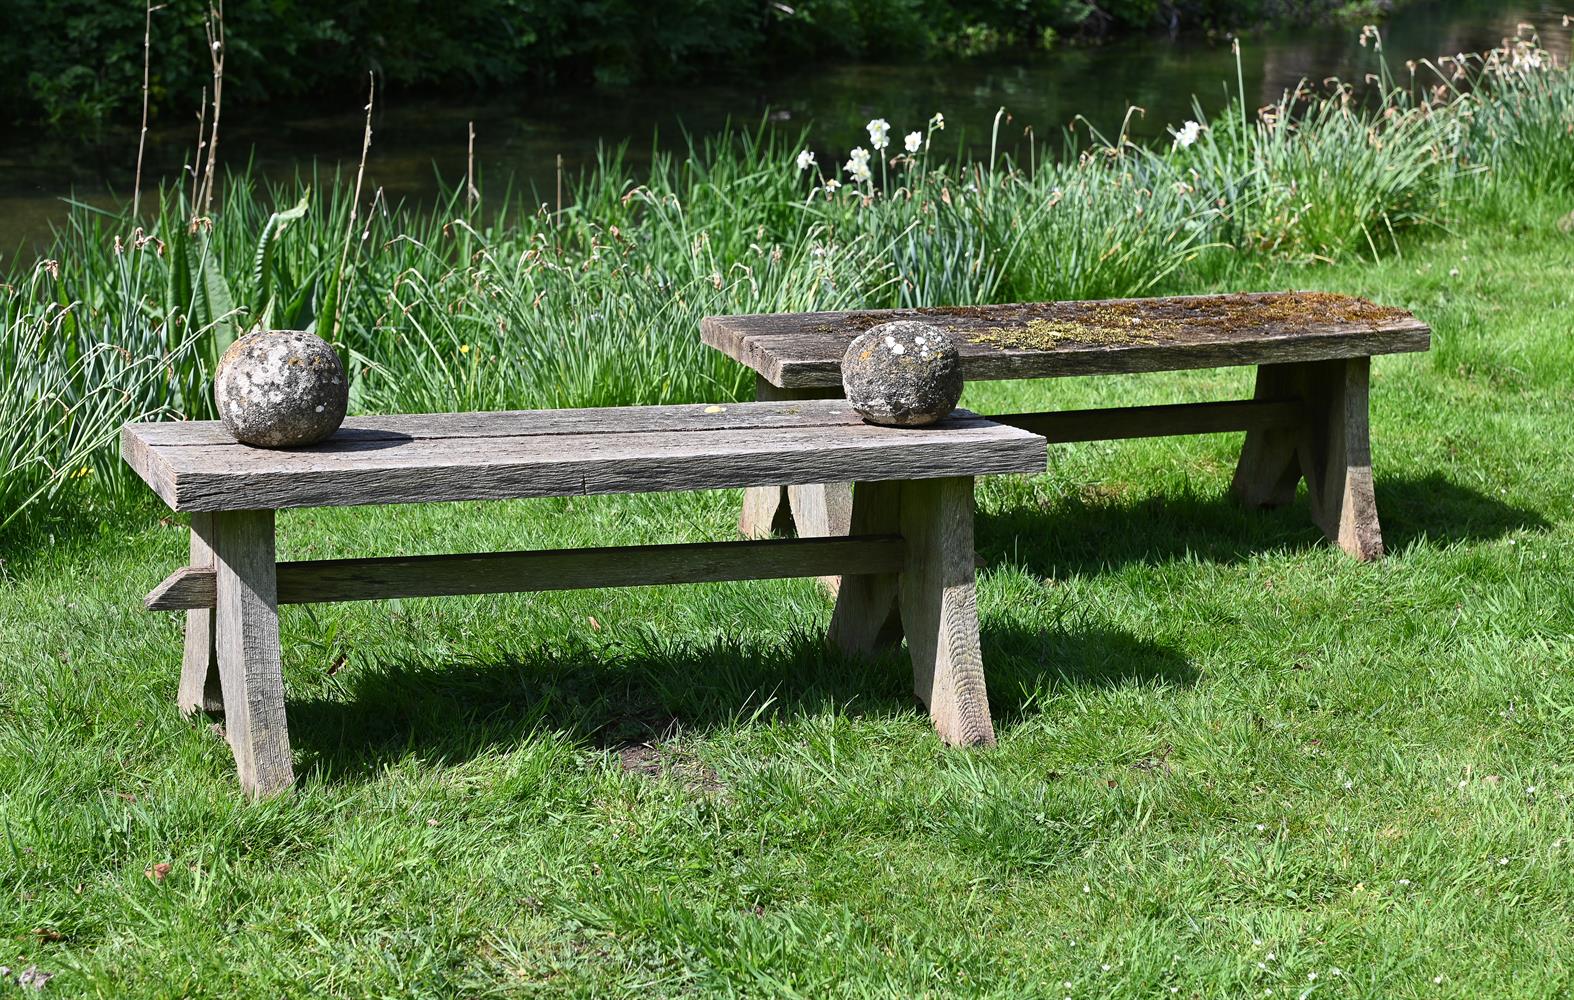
point(913, 141)
point(805, 160)
point(879, 133)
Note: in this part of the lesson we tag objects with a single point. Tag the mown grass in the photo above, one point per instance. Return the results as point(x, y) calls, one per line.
point(1230, 758)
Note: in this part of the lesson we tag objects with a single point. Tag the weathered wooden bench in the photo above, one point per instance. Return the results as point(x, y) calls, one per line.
point(1307, 418)
point(907, 562)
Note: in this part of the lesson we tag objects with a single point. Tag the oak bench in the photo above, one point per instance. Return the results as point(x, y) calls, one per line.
point(1307, 418)
point(907, 560)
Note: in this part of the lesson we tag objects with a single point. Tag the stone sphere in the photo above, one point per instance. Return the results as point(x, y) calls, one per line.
point(902, 374)
point(280, 389)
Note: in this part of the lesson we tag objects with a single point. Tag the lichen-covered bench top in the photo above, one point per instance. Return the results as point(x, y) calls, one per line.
point(1049, 339)
point(197, 466)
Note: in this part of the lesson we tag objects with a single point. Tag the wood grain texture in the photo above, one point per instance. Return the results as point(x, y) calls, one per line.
point(766, 509)
point(765, 512)
point(200, 688)
point(139, 452)
point(866, 618)
point(250, 669)
point(940, 611)
point(820, 510)
point(1117, 423)
point(324, 580)
point(188, 588)
point(805, 349)
point(743, 444)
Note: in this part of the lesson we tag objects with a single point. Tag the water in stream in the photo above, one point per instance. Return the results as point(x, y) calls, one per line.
point(520, 136)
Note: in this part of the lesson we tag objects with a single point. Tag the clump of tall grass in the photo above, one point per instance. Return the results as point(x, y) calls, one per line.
point(1317, 179)
point(1520, 119)
point(73, 369)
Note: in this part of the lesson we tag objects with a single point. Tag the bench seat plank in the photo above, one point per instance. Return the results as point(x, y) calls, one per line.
point(1054, 339)
point(535, 423)
point(440, 457)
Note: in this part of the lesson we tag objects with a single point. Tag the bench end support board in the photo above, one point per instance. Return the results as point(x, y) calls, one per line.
point(932, 600)
point(246, 623)
point(1331, 449)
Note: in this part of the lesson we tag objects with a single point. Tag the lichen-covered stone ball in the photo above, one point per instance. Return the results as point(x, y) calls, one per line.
point(281, 389)
point(902, 374)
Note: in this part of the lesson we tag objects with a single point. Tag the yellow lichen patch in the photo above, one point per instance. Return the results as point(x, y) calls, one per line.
point(1044, 334)
point(1053, 325)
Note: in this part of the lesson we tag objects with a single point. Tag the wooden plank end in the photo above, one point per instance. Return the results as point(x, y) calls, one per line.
point(185, 589)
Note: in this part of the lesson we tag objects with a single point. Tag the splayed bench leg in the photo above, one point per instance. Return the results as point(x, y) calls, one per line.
point(935, 597)
point(1337, 457)
point(199, 670)
point(250, 669)
point(1332, 451)
point(940, 609)
point(866, 619)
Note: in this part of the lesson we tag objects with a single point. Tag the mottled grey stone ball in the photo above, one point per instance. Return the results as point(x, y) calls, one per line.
point(281, 388)
point(902, 374)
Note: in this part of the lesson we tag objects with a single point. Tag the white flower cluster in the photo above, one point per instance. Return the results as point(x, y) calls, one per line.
point(879, 133)
point(1187, 135)
point(857, 165)
point(858, 159)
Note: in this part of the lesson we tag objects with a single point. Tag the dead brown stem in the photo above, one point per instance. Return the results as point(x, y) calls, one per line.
point(142, 137)
point(471, 194)
point(349, 230)
point(215, 32)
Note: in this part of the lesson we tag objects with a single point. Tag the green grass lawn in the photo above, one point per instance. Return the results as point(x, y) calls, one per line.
point(1232, 762)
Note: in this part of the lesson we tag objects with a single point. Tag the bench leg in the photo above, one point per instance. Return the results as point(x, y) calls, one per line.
point(822, 510)
point(866, 619)
point(816, 510)
point(250, 671)
point(1337, 459)
point(200, 690)
point(765, 512)
point(1270, 467)
point(1332, 451)
point(940, 611)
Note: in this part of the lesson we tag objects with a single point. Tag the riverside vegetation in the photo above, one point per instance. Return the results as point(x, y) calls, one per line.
point(468, 306)
point(1231, 761)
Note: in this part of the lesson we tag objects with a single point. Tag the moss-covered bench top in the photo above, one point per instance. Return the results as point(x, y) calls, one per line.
point(1048, 339)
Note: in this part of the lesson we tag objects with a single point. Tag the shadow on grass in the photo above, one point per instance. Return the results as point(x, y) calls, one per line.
point(1433, 509)
point(1082, 537)
point(654, 684)
point(450, 712)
